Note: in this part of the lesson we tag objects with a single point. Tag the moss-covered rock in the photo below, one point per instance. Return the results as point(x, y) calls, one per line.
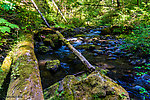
point(52, 40)
point(95, 86)
point(86, 47)
point(52, 65)
point(43, 49)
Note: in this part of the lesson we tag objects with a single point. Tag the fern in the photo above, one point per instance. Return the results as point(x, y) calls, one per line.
point(5, 26)
point(4, 29)
point(2, 21)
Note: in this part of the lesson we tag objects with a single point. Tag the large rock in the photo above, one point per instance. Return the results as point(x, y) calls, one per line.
point(52, 65)
point(94, 86)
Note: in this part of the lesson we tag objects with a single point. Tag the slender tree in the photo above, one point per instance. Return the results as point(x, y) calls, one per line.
point(138, 2)
point(118, 3)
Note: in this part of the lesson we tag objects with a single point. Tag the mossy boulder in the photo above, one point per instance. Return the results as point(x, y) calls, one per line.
point(86, 47)
point(43, 49)
point(95, 86)
point(52, 65)
point(52, 40)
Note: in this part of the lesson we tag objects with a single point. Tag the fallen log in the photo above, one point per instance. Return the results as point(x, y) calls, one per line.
point(25, 81)
point(77, 53)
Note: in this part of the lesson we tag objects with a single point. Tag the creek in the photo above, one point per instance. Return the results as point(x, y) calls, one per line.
point(104, 52)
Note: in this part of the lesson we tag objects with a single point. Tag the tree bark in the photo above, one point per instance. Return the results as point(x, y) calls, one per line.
point(146, 2)
point(118, 3)
point(138, 2)
point(25, 81)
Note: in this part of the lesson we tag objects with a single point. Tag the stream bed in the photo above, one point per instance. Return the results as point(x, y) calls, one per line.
point(105, 52)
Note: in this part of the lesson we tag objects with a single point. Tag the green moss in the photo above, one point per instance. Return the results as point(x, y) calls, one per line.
point(93, 87)
point(80, 35)
point(53, 64)
point(86, 46)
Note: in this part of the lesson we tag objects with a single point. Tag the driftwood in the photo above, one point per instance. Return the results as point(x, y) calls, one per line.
point(77, 53)
point(25, 81)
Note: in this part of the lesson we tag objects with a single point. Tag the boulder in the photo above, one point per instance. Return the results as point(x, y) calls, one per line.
point(91, 87)
point(52, 65)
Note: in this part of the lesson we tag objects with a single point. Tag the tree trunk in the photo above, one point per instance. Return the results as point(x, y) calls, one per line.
point(118, 3)
point(138, 2)
point(25, 81)
point(146, 2)
point(122, 3)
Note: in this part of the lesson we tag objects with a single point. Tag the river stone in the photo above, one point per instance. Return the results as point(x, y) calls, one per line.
point(98, 44)
point(52, 65)
point(99, 51)
point(140, 90)
point(104, 65)
point(112, 58)
point(95, 54)
point(112, 43)
point(129, 55)
point(112, 55)
point(43, 49)
point(144, 80)
point(92, 87)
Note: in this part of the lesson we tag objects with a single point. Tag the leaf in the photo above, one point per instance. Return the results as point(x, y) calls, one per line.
point(1, 43)
point(3, 20)
point(7, 23)
point(4, 29)
point(13, 26)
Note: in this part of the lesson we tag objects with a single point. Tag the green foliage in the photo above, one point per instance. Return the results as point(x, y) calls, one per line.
point(5, 26)
point(5, 29)
point(142, 69)
point(122, 95)
point(138, 40)
point(5, 5)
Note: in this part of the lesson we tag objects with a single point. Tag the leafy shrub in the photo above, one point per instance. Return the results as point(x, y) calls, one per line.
point(5, 5)
point(138, 40)
point(5, 29)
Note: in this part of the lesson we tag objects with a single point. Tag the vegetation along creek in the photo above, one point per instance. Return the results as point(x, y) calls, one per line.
point(74, 50)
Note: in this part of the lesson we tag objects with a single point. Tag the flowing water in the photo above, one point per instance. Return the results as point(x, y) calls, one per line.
point(104, 52)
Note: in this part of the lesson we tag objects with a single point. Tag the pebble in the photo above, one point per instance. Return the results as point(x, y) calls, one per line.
point(133, 62)
point(138, 62)
point(112, 55)
point(129, 55)
point(95, 54)
point(141, 61)
point(103, 45)
point(102, 48)
point(110, 48)
point(112, 43)
point(98, 44)
point(112, 58)
point(99, 51)
point(109, 51)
